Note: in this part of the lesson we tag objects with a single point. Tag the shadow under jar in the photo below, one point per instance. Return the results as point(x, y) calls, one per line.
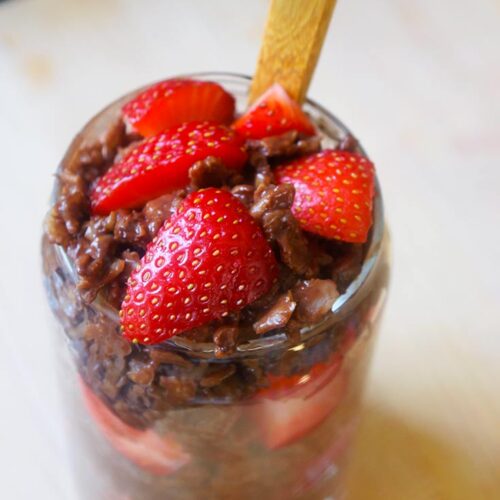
point(175, 420)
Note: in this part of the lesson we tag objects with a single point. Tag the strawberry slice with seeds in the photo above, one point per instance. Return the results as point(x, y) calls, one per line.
point(161, 164)
point(159, 455)
point(333, 194)
point(274, 113)
point(170, 103)
point(209, 259)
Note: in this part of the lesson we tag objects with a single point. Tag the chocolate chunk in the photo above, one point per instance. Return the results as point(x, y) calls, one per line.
point(348, 143)
point(271, 197)
point(225, 338)
point(314, 298)
point(263, 175)
point(217, 375)
point(263, 172)
point(209, 172)
point(276, 317)
point(161, 356)
point(112, 137)
point(347, 265)
point(277, 145)
point(99, 225)
point(89, 155)
point(116, 290)
point(272, 208)
point(141, 405)
point(292, 330)
point(178, 390)
point(157, 211)
point(96, 264)
point(55, 228)
point(70, 211)
point(286, 145)
point(322, 256)
point(95, 256)
point(72, 206)
point(201, 334)
point(244, 193)
point(282, 227)
point(141, 372)
point(131, 227)
point(101, 151)
point(106, 352)
point(307, 146)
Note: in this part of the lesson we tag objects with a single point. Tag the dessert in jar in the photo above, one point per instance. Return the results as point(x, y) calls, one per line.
point(218, 273)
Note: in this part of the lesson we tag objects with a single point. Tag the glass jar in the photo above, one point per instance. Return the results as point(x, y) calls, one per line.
point(273, 420)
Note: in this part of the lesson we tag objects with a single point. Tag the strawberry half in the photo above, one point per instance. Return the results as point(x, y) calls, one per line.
point(333, 194)
point(161, 164)
point(211, 258)
point(274, 113)
point(159, 455)
point(291, 407)
point(172, 102)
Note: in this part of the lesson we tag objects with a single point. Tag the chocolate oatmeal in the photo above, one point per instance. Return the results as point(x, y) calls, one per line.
point(215, 404)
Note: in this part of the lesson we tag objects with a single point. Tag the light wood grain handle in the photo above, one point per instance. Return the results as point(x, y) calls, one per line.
point(293, 37)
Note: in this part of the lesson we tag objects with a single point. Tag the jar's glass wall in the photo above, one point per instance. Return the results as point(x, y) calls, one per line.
point(139, 429)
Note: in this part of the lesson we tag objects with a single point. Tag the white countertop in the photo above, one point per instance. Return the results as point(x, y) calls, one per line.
point(419, 82)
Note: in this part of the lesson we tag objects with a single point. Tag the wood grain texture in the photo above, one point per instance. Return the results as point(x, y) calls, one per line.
point(293, 38)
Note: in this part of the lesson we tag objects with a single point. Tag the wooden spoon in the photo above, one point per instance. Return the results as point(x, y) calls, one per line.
point(293, 37)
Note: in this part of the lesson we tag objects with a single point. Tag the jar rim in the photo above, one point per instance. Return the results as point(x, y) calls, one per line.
point(279, 339)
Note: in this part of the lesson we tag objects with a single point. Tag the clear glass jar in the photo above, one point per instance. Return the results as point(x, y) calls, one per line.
point(190, 425)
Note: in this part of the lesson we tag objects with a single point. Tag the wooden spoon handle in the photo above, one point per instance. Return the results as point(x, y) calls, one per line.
point(293, 37)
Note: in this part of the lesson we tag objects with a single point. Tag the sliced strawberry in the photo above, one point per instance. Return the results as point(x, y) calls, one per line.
point(293, 406)
point(161, 164)
point(305, 385)
point(172, 102)
point(211, 258)
point(290, 409)
point(333, 194)
point(274, 113)
point(159, 455)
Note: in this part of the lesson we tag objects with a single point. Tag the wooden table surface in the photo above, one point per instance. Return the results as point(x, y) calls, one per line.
point(419, 82)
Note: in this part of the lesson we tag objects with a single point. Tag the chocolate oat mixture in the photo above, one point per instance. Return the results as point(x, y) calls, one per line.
point(140, 382)
point(205, 359)
point(106, 248)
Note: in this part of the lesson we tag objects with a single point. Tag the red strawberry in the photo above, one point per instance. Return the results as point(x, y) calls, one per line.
point(281, 386)
point(274, 113)
point(291, 407)
point(172, 102)
point(208, 260)
point(333, 194)
point(159, 455)
point(161, 164)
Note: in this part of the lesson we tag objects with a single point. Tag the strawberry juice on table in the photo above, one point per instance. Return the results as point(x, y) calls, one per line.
point(218, 272)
